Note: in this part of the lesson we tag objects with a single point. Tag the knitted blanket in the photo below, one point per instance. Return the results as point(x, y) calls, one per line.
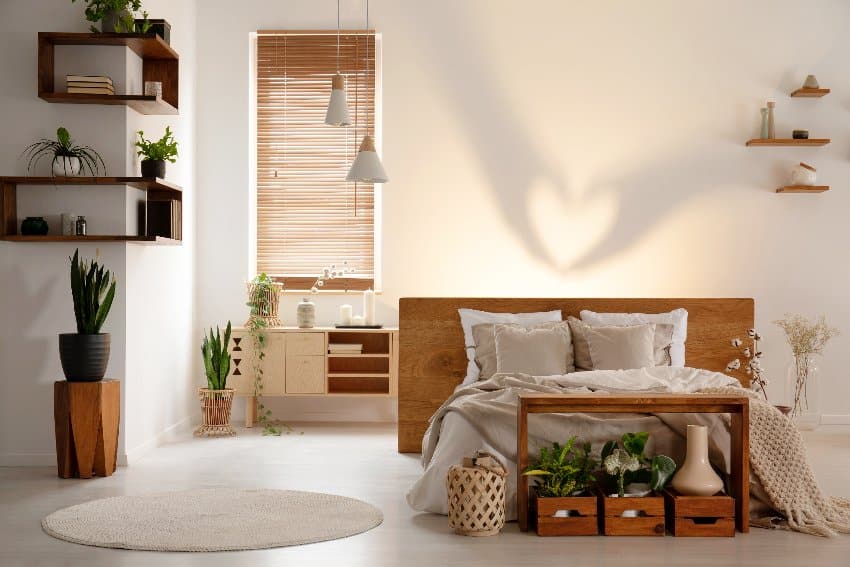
point(778, 459)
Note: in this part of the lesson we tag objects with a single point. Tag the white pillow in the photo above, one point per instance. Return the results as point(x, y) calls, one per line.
point(471, 317)
point(678, 318)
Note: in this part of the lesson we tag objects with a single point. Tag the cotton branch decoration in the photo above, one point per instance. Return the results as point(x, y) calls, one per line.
point(752, 367)
point(330, 273)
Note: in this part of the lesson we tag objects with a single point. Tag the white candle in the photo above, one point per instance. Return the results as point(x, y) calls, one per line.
point(369, 307)
point(345, 312)
point(357, 320)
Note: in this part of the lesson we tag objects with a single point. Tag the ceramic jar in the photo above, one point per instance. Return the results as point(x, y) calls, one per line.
point(696, 477)
point(803, 174)
point(306, 314)
point(34, 226)
point(64, 166)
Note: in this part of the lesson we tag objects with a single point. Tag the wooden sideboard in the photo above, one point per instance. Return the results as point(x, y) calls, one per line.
point(297, 363)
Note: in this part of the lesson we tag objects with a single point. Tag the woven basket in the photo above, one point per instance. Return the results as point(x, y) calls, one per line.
point(215, 408)
point(267, 303)
point(476, 492)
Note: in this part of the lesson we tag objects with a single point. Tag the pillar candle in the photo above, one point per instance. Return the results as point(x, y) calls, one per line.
point(345, 312)
point(369, 307)
point(357, 320)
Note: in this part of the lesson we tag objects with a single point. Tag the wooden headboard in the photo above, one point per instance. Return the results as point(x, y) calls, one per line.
point(432, 359)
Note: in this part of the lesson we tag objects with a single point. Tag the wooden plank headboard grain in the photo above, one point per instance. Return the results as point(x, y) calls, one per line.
point(432, 360)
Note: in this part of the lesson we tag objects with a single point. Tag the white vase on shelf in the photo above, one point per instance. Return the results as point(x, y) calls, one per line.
point(696, 477)
point(803, 174)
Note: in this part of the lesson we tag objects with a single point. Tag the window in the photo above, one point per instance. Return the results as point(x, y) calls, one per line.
point(308, 215)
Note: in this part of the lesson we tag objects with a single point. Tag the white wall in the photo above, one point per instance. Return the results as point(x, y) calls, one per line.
point(152, 319)
point(565, 148)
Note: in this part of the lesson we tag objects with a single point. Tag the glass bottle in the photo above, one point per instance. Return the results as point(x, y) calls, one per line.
point(81, 226)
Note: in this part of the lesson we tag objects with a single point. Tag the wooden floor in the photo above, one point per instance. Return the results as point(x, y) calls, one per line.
point(360, 461)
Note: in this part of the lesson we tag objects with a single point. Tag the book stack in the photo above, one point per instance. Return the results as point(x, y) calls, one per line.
point(344, 348)
point(83, 84)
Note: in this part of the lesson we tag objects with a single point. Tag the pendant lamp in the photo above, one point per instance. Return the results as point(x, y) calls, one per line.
point(337, 114)
point(367, 167)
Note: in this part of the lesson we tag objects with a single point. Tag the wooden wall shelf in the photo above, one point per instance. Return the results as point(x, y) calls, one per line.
point(156, 190)
point(805, 92)
point(788, 142)
point(159, 63)
point(159, 240)
point(803, 189)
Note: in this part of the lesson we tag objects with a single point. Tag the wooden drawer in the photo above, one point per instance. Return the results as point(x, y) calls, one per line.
point(305, 344)
point(305, 374)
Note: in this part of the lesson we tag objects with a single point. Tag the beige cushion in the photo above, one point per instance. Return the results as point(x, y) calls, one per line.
point(536, 351)
point(662, 344)
point(621, 348)
point(484, 336)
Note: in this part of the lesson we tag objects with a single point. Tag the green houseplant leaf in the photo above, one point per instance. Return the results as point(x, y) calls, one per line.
point(216, 358)
point(563, 470)
point(662, 468)
point(93, 291)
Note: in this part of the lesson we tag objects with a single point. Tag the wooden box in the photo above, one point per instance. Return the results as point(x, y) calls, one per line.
point(582, 521)
point(649, 521)
point(700, 516)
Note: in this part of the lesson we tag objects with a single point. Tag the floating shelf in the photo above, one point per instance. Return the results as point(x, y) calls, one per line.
point(142, 104)
point(803, 189)
point(143, 183)
point(788, 142)
point(159, 240)
point(806, 92)
point(159, 63)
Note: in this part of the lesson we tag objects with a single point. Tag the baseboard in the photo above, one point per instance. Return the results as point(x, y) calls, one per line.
point(27, 459)
point(835, 419)
point(168, 434)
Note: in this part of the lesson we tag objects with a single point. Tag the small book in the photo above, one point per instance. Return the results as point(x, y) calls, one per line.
point(89, 85)
point(89, 90)
point(88, 79)
point(337, 348)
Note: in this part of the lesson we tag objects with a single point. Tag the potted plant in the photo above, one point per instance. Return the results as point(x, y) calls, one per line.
point(114, 15)
point(562, 502)
point(85, 354)
point(68, 160)
point(636, 477)
point(156, 153)
point(216, 398)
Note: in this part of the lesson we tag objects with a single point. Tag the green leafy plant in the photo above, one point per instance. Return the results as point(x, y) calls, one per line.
point(216, 358)
point(563, 471)
point(629, 464)
point(164, 149)
point(63, 146)
point(97, 10)
point(93, 290)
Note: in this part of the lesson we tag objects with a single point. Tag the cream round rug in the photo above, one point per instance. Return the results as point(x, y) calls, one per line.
point(214, 519)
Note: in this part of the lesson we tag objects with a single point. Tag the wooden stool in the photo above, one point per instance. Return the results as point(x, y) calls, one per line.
point(86, 416)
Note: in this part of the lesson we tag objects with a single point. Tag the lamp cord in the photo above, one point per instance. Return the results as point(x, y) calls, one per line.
point(337, 37)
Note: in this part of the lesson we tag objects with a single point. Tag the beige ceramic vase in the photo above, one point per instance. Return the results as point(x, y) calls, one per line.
point(696, 477)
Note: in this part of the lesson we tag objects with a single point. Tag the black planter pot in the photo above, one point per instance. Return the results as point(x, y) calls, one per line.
point(153, 168)
point(84, 357)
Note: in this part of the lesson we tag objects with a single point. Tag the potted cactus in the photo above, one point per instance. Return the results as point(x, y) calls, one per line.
point(85, 354)
point(216, 398)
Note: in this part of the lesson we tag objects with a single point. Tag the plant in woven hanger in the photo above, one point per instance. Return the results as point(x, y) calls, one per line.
point(93, 289)
point(753, 367)
point(563, 470)
point(625, 462)
point(216, 358)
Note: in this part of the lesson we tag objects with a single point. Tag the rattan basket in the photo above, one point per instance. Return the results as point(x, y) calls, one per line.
point(267, 299)
point(215, 408)
point(476, 492)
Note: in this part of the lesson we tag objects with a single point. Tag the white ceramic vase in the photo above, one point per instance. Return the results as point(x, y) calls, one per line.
point(64, 166)
point(803, 174)
point(306, 314)
point(696, 477)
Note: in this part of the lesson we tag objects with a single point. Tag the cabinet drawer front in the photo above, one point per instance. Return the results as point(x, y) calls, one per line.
point(305, 343)
point(305, 374)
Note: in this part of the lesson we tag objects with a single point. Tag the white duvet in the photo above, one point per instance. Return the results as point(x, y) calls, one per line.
point(482, 416)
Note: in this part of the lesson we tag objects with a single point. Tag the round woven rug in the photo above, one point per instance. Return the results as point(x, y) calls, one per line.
point(215, 519)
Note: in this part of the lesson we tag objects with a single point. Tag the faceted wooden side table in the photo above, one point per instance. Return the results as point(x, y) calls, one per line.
point(86, 416)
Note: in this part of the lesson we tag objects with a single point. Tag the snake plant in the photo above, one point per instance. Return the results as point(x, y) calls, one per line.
point(216, 358)
point(93, 290)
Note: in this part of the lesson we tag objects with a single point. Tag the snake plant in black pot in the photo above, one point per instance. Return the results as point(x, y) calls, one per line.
point(85, 354)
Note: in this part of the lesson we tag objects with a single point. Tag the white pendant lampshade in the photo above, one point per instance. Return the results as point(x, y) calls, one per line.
point(337, 114)
point(367, 166)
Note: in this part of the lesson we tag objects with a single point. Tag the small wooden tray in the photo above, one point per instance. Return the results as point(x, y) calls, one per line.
point(649, 523)
point(338, 326)
point(585, 522)
point(699, 516)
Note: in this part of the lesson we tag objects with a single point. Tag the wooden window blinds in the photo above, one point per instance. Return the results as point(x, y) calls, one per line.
point(308, 215)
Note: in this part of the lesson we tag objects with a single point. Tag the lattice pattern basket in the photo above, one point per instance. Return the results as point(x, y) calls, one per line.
point(215, 408)
point(476, 492)
point(267, 299)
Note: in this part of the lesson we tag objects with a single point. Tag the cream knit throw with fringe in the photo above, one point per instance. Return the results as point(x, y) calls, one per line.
point(778, 459)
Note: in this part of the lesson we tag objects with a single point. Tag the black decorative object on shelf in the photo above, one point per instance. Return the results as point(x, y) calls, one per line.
point(800, 134)
point(158, 27)
point(81, 226)
point(34, 226)
point(153, 168)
